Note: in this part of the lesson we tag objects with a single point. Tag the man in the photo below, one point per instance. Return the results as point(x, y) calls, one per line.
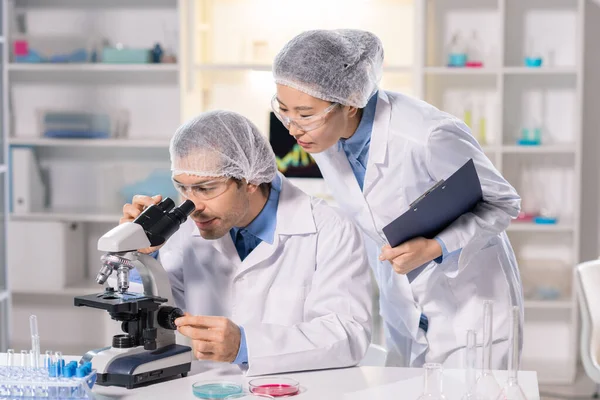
point(270, 278)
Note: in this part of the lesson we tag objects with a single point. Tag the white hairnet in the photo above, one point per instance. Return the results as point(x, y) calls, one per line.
point(222, 144)
point(342, 66)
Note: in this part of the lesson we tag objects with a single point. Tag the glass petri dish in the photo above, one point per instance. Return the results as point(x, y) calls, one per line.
point(215, 389)
point(274, 386)
point(249, 396)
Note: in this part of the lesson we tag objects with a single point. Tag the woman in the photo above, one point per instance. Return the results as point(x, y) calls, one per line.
point(378, 151)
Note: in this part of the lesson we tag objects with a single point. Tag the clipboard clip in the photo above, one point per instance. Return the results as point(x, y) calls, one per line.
point(421, 197)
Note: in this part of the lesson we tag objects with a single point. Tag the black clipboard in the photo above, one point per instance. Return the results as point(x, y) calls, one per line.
point(436, 209)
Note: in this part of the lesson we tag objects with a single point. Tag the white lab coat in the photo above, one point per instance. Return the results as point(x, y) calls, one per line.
point(305, 301)
point(414, 145)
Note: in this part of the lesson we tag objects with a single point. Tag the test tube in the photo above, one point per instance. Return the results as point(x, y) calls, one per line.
point(470, 358)
point(24, 358)
point(48, 359)
point(10, 358)
point(35, 341)
point(59, 363)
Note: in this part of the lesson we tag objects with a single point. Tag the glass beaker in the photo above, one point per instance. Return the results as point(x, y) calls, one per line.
point(432, 383)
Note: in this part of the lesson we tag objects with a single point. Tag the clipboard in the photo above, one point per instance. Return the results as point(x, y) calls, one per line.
point(436, 209)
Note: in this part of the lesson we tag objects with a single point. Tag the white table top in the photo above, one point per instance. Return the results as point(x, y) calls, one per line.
point(369, 383)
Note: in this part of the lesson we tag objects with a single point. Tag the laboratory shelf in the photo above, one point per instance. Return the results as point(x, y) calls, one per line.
point(531, 227)
point(549, 304)
point(119, 143)
point(233, 67)
point(89, 67)
point(543, 149)
point(269, 67)
point(540, 71)
point(83, 288)
point(69, 216)
point(461, 71)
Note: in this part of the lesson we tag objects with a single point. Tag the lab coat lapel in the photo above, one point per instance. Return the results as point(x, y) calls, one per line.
point(294, 217)
point(338, 174)
point(379, 142)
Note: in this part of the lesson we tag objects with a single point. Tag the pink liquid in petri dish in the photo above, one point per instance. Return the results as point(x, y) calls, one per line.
point(276, 390)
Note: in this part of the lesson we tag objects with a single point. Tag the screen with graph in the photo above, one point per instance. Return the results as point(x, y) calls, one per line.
point(292, 160)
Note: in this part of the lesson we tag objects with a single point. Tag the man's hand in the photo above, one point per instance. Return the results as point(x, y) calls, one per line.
point(411, 254)
point(213, 338)
point(132, 211)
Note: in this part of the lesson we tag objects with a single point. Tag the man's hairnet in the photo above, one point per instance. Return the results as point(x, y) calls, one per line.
point(342, 66)
point(222, 144)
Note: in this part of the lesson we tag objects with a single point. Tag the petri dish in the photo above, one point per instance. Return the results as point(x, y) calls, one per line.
point(249, 396)
point(275, 387)
point(215, 389)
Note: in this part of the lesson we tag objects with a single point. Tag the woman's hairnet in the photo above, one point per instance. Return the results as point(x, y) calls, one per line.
point(222, 144)
point(342, 66)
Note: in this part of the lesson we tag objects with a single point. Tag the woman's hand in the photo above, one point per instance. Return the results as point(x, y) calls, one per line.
point(412, 254)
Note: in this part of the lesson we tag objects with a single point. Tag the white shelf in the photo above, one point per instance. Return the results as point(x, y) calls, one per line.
point(531, 227)
point(461, 71)
point(549, 304)
point(499, 70)
point(542, 149)
point(137, 68)
point(269, 67)
point(540, 71)
point(120, 143)
point(69, 216)
point(82, 288)
point(234, 67)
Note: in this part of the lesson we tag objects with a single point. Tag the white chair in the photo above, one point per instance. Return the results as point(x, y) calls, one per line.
point(587, 284)
point(376, 357)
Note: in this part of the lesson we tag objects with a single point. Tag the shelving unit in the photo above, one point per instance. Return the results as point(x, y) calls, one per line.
point(546, 176)
point(84, 177)
point(90, 143)
point(5, 295)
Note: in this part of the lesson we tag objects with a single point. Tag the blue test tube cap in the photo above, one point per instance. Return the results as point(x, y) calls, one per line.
point(52, 370)
point(72, 364)
point(80, 372)
point(68, 371)
point(88, 367)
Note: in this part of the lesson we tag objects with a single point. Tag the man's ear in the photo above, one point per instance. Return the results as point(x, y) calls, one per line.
point(251, 188)
point(352, 111)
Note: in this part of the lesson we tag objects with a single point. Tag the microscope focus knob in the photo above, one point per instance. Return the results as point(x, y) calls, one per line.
point(167, 315)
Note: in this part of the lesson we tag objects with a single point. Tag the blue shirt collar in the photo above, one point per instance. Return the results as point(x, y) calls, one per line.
point(263, 226)
point(355, 144)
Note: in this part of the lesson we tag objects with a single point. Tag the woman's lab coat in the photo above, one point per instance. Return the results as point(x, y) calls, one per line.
point(305, 301)
point(414, 145)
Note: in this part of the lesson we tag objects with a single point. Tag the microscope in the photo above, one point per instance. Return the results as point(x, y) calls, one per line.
point(146, 352)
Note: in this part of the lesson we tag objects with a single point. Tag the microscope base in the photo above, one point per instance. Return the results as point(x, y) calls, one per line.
point(141, 367)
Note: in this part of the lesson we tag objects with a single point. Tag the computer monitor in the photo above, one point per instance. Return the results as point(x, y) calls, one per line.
point(292, 160)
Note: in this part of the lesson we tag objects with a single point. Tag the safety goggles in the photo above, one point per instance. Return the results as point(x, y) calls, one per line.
point(205, 190)
point(305, 124)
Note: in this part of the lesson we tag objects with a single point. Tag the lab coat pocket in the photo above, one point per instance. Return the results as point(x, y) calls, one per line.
point(285, 305)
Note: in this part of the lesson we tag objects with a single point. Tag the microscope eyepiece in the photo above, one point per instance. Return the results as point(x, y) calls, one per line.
point(166, 205)
point(162, 220)
point(183, 211)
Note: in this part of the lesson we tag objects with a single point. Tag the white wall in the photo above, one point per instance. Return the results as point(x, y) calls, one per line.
point(590, 237)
